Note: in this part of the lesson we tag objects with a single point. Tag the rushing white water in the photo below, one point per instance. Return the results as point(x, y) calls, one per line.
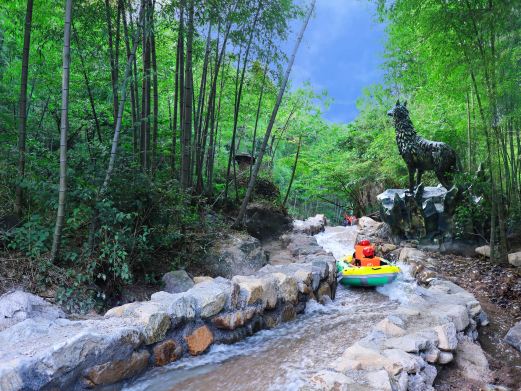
point(283, 358)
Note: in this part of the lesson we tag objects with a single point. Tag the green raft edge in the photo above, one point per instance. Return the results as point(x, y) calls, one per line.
point(367, 281)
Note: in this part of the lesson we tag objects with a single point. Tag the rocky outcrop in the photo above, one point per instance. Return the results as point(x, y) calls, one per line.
point(73, 355)
point(239, 253)
point(177, 281)
point(426, 214)
point(265, 221)
point(18, 306)
point(310, 226)
point(434, 326)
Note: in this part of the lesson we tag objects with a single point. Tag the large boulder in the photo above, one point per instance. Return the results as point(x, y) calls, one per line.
point(239, 253)
point(265, 221)
point(426, 214)
point(177, 281)
point(17, 306)
point(310, 226)
point(515, 259)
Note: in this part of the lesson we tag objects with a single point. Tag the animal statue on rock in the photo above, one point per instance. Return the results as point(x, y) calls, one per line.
point(420, 154)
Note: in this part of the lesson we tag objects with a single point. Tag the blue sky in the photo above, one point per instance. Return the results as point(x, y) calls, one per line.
point(342, 52)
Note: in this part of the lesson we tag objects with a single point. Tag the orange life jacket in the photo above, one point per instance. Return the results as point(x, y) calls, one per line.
point(364, 257)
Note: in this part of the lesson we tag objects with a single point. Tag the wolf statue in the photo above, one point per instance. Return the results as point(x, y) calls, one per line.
point(420, 154)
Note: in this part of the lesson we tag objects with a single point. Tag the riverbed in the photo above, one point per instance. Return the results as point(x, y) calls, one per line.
point(283, 358)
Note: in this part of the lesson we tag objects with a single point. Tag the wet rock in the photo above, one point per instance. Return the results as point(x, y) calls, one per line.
point(386, 248)
point(287, 290)
point(310, 226)
point(288, 313)
point(389, 328)
point(359, 357)
point(230, 321)
point(239, 253)
point(483, 251)
point(177, 281)
point(515, 259)
point(323, 290)
point(331, 380)
point(257, 290)
point(513, 336)
point(166, 352)
point(199, 340)
point(265, 221)
point(17, 306)
point(115, 371)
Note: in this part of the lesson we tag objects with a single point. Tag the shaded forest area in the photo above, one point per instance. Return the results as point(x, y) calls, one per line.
point(121, 121)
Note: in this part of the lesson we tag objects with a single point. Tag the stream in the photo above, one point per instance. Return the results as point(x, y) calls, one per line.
point(283, 358)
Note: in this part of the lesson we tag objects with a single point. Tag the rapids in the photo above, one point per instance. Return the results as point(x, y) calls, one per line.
point(283, 358)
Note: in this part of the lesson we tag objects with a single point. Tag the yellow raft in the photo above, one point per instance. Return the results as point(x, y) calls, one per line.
point(366, 275)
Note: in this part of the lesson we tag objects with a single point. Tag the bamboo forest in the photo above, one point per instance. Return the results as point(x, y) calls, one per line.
point(336, 184)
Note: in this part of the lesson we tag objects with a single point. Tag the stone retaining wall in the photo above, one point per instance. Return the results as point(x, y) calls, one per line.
point(61, 354)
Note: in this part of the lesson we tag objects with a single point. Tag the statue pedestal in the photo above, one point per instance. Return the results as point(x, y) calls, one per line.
point(423, 215)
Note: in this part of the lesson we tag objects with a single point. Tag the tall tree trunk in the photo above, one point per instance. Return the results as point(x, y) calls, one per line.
point(198, 120)
point(87, 85)
point(64, 127)
point(133, 107)
point(176, 100)
point(113, 71)
point(257, 115)
point(258, 162)
point(117, 128)
point(22, 111)
point(188, 103)
point(231, 157)
point(156, 97)
point(293, 171)
point(145, 91)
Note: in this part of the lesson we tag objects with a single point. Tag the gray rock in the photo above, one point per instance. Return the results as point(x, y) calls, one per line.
point(426, 214)
point(310, 226)
point(515, 259)
point(513, 336)
point(483, 251)
point(17, 306)
point(238, 254)
point(53, 354)
point(177, 281)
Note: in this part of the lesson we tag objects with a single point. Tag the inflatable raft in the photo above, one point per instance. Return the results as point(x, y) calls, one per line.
point(366, 275)
point(363, 268)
